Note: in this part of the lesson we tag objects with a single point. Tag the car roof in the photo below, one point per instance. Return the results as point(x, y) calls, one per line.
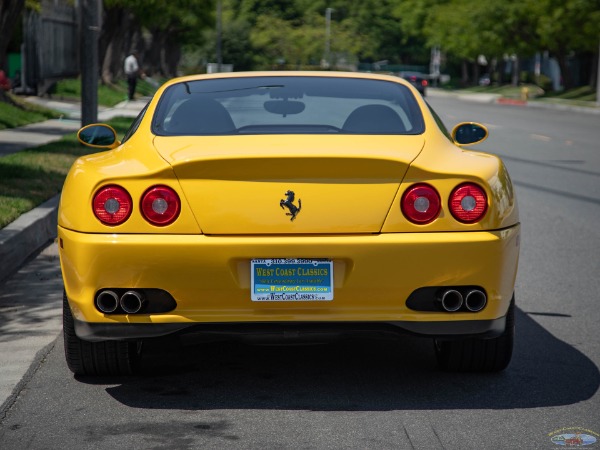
point(288, 73)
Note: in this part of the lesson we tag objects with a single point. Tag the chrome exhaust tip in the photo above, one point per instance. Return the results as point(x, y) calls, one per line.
point(475, 300)
point(107, 301)
point(451, 300)
point(132, 302)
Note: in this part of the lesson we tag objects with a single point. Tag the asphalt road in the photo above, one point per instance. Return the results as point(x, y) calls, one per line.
point(371, 394)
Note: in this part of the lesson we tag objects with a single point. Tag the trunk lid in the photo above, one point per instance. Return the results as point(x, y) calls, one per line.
point(243, 184)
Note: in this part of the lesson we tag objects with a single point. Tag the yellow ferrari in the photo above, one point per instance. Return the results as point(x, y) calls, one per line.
point(288, 204)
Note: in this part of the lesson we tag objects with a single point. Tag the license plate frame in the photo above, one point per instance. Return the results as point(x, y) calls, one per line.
point(291, 280)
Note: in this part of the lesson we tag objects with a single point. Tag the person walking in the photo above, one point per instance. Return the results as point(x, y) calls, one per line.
point(132, 70)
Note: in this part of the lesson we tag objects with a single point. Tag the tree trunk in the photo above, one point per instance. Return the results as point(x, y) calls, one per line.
point(594, 70)
point(111, 32)
point(476, 73)
point(501, 67)
point(172, 57)
point(565, 72)
point(10, 13)
point(154, 58)
point(515, 71)
point(465, 72)
point(119, 34)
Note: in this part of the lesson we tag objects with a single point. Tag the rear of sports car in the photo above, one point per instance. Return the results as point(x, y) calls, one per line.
point(268, 203)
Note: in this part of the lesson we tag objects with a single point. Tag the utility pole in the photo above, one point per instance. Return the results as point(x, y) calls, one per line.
point(219, 36)
point(598, 79)
point(327, 35)
point(88, 51)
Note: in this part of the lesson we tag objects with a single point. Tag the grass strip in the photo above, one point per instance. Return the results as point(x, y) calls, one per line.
point(30, 177)
point(108, 95)
point(12, 116)
point(579, 95)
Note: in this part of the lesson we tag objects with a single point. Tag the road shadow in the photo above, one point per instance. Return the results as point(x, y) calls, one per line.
point(31, 299)
point(6, 148)
point(58, 129)
point(353, 375)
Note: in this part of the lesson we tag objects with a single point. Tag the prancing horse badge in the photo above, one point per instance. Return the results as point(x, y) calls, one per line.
point(289, 204)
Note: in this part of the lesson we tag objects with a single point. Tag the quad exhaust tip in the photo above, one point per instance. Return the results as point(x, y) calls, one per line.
point(451, 300)
point(107, 301)
point(131, 302)
point(475, 300)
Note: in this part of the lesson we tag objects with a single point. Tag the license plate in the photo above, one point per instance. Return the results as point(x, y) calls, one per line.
point(291, 280)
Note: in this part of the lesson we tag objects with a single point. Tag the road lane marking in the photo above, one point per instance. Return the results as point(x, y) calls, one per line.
point(540, 137)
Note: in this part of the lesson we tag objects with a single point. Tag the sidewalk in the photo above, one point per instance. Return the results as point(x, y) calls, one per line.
point(30, 232)
point(30, 322)
point(13, 140)
point(72, 110)
point(16, 139)
point(480, 97)
point(31, 299)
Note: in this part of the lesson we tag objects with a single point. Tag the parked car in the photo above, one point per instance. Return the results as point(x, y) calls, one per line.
point(417, 79)
point(4, 81)
point(263, 203)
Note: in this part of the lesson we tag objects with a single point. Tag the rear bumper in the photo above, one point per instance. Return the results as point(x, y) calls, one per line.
point(289, 330)
point(209, 278)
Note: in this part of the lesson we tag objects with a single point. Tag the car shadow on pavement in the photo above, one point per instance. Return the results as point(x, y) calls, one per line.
point(353, 375)
point(29, 302)
point(61, 128)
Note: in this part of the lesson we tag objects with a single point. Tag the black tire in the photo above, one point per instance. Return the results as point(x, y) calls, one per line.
point(96, 358)
point(478, 355)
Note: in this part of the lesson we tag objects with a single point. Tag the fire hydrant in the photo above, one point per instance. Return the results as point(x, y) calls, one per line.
point(524, 93)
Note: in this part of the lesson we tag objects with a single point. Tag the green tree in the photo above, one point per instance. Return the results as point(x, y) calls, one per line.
point(465, 29)
point(251, 10)
point(10, 11)
point(412, 17)
point(568, 26)
point(451, 26)
point(236, 47)
point(10, 14)
point(372, 23)
point(170, 25)
point(300, 43)
point(508, 28)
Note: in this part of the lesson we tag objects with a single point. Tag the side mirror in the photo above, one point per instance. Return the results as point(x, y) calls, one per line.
point(98, 136)
point(469, 133)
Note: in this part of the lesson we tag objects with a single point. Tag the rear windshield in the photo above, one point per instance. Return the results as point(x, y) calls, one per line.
point(287, 105)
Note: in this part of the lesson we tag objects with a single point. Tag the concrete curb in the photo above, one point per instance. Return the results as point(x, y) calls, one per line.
point(562, 107)
point(26, 235)
point(33, 230)
point(40, 356)
point(498, 99)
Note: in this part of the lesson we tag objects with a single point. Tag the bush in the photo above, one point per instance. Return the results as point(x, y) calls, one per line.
point(544, 82)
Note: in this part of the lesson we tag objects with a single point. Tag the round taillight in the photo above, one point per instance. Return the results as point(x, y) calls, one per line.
point(112, 205)
point(420, 204)
point(160, 205)
point(468, 203)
